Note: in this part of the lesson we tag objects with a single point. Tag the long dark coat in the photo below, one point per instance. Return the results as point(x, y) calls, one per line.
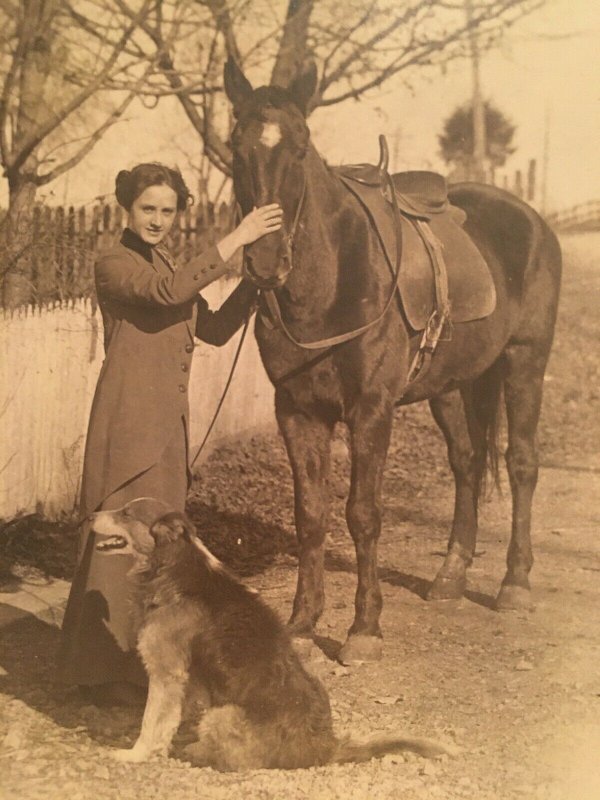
point(137, 435)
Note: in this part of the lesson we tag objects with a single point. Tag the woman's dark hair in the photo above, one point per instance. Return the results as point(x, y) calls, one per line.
point(130, 184)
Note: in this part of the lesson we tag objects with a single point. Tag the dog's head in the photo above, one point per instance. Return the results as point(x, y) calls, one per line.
point(162, 542)
point(127, 529)
point(146, 526)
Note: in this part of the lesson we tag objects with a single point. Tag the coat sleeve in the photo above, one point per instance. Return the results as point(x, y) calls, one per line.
point(123, 277)
point(217, 327)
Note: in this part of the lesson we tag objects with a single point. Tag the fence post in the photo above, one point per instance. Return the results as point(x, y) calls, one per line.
point(518, 187)
point(531, 180)
point(59, 250)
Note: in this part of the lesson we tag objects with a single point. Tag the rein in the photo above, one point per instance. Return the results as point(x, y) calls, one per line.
point(332, 341)
point(225, 390)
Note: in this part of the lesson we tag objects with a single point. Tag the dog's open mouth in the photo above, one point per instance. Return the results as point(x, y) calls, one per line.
point(112, 543)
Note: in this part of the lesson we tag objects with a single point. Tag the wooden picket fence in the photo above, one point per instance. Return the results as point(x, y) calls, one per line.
point(583, 217)
point(64, 243)
point(50, 357)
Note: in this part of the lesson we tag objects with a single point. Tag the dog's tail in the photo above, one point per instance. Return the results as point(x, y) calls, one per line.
point(356, 752)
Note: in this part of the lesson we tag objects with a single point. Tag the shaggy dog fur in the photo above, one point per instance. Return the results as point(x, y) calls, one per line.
point(199, 625)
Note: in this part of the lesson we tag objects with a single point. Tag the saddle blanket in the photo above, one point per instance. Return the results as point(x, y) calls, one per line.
point(471, 289)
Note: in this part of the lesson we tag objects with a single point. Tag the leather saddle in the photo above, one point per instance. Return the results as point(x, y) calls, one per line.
point(418, 192)
point(430, 225)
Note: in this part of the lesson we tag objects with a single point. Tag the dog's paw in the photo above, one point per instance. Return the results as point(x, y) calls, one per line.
point(131, 755)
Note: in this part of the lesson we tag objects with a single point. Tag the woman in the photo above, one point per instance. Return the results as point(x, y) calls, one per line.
point(137, 442)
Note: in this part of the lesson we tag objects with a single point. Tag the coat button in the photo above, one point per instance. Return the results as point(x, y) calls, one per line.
point(189, 348)
point(181, 388)
point(196, 277)
point(213, 266)
point(184, 367)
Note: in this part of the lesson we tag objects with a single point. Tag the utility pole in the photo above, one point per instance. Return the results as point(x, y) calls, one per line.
point(479, 143)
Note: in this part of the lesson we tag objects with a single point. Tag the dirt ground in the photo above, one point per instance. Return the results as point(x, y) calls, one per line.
point(518, 693)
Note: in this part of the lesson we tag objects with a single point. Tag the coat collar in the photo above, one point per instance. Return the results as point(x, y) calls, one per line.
point(132, 241)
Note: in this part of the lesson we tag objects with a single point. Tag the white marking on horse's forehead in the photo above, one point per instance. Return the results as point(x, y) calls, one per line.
point(270, 135)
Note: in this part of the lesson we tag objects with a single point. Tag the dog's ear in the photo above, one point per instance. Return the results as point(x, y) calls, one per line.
point(173, 527)
point(189, 529)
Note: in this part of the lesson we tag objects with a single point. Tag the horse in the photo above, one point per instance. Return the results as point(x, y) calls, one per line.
point(328, 274)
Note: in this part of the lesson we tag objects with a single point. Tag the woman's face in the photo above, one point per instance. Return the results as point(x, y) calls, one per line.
point(153, 213)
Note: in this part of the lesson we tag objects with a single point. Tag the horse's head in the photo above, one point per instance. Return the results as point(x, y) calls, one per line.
point(269, 142)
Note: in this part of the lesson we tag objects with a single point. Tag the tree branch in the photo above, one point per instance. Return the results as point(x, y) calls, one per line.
point(13, 163)
point(42, 180)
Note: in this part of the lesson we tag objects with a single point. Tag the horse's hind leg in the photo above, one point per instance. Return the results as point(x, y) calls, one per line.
point(523, 396)
point(370, 431)
point(466, 419)
point(308, 442)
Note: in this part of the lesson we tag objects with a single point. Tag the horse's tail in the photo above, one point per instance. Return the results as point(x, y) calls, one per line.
point(493, 397)
point(356, 752)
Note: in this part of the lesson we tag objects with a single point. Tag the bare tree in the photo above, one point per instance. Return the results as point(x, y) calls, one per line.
point(357, 46)
point(57, 58)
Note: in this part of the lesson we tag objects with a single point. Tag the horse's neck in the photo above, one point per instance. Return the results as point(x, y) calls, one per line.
point(327, 226)
point(324, 196)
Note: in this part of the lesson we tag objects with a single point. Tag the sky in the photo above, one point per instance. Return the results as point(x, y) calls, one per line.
point(545, 77)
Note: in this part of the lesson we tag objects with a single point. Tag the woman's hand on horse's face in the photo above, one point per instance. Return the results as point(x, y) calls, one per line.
point(259, 222)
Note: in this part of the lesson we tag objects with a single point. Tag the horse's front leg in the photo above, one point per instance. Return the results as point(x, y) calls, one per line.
point(308, 442)
point(370, 430)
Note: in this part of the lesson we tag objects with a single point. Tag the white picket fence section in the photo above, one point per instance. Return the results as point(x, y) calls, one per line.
point(50, 360)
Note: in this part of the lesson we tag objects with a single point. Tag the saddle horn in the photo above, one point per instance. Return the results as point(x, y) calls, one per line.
point(384, 155)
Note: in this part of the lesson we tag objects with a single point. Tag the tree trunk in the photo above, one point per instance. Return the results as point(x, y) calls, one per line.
point(17, 241)
point(292, 50)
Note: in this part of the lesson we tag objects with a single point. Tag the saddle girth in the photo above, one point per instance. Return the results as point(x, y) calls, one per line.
point(440, 317)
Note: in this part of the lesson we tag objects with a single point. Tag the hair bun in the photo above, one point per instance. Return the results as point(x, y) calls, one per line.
point(123, 188)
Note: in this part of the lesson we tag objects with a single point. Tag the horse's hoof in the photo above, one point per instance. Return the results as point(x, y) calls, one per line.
point(451, 580)
point(307, 650)
point(514, 598)
point(445, 588)
point(358, 649)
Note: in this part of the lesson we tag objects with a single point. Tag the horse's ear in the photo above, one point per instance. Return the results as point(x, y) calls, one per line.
point(237, 87)
point(304, 86)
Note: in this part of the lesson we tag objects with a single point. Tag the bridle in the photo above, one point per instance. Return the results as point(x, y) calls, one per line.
point(272, 302)
point(288, 237)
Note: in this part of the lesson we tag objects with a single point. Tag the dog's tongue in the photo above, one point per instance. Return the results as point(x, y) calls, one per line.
point(112, 543)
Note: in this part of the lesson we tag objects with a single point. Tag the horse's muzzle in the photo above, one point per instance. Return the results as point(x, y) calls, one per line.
point(274, 281)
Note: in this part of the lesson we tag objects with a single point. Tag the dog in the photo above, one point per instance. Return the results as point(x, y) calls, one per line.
point(201, 627)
